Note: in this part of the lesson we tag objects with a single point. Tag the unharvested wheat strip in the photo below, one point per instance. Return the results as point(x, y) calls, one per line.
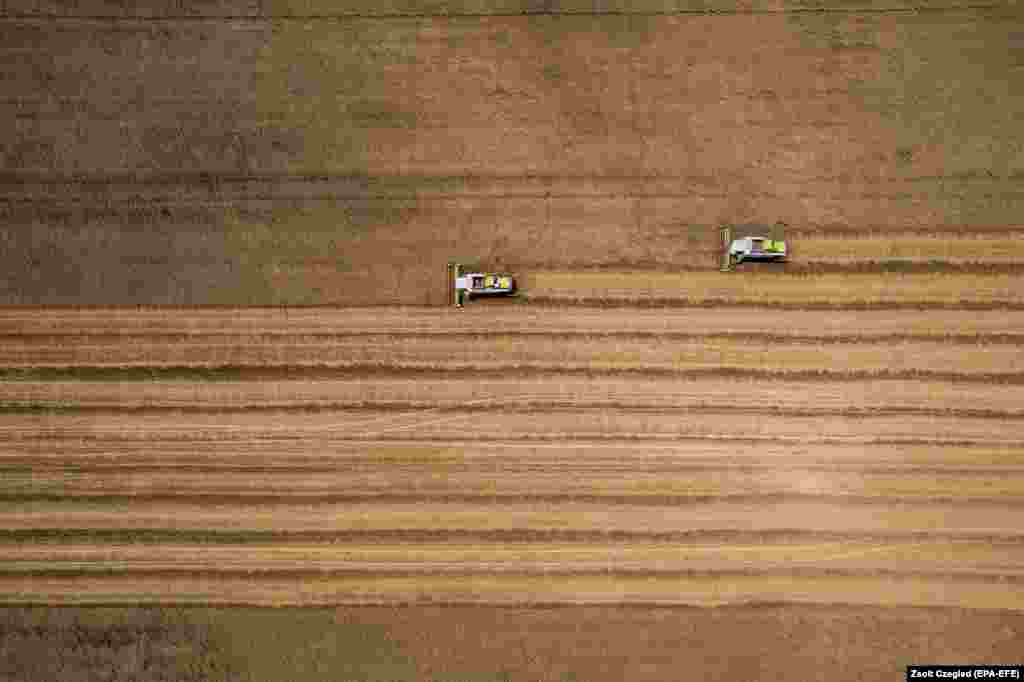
point(937, 232)
point(513, 352)
point(385, 320)
point(829, 515)
point(432, 392)
point(700, 590)
point(904, 266)
point(909, 555)
point(566, 425)
point(873, 247)
point(753, 287)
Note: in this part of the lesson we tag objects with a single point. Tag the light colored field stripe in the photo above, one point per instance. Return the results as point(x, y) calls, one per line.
point(564, 480)
point(499, 589)
point(939, 554)
point(405, 457)
point(550, 353)
point(824, 515)
point(974, 249)
point(430, 392)
point(510, 318)
point(567, 425)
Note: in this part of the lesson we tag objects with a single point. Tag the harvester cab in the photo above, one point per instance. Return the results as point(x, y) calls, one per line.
point(463, 286)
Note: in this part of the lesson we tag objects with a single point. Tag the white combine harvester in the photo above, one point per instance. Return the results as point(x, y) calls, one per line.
point(750, 248)
point(464, 286)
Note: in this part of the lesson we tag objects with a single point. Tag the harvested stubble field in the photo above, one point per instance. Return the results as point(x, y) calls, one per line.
point(574, 457)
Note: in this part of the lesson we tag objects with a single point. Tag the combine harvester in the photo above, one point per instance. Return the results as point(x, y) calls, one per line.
point(464, 286)
point(751, 248)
